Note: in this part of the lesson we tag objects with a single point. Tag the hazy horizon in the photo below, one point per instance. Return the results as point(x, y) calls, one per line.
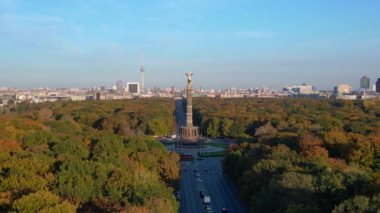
point(224, 43)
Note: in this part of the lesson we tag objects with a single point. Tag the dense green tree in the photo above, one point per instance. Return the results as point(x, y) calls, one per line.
point(43, 201)
point(156, 127)
point(358, 204)
point(288, 191)
point(75, 180)
point(226, 126)
point(118, 185)
point(38, 138)
point(24, 172)
point(70, 148)
point(213, 128)
point(108, 149)
point(238, 130)
point(230, 164)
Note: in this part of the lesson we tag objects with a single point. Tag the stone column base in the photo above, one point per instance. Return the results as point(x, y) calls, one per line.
point(190, 134)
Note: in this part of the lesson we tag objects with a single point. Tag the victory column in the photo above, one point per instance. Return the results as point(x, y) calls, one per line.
point(189, 133)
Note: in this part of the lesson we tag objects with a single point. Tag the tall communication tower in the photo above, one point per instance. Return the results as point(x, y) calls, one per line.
point(142, 78)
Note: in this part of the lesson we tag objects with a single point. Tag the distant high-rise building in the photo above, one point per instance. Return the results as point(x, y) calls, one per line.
point(304, 89)
point(343, 89)
point(120, 86)
point(133, 87)
point(142, 78)
point(378, 85)
point(97, 96)
point(365, 83)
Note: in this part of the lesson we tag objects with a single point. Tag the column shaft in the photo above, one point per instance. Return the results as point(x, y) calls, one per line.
point(189, 107)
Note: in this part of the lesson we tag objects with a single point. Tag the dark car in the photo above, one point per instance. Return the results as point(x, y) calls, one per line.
point(202, 194)
point(177, 195)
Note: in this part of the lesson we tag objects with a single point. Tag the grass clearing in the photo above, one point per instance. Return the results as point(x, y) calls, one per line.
point(220, 145)
point(212, 154)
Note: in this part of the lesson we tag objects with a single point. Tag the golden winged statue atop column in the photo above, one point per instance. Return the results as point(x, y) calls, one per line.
point(189, 78)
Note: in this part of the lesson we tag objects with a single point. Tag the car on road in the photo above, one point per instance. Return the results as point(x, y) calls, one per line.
point(208, 209)
point(207, 200)
point(202, 194)
point(198, 158)
point(184, 157)
point(197, 175)
point(178, 196)
point(224, 210)
point(199, 180)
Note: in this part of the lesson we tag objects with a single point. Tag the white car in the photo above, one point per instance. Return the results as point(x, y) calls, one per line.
point(208, 209)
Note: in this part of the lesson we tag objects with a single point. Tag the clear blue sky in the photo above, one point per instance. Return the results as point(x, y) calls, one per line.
point(226, 43)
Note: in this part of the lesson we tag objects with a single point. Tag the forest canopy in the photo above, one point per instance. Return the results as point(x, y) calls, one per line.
point(88, 156)
point(292, 155)
point(299, 155)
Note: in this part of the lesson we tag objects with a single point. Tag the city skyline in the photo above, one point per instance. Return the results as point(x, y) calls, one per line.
point(227, 44)
point(116, 84)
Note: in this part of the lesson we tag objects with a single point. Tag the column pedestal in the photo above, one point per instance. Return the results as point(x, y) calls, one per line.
point(189, 134)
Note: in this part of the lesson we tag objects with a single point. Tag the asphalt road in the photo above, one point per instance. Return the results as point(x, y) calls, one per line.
point(214, 183)
point(190, 200)
point(180, 113)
